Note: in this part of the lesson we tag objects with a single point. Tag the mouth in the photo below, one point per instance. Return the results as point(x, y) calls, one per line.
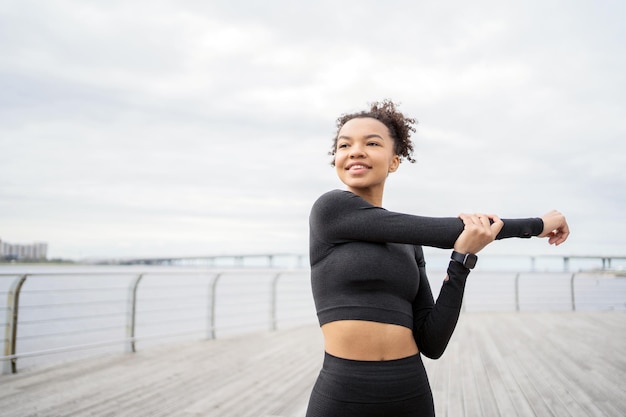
point(357, 167)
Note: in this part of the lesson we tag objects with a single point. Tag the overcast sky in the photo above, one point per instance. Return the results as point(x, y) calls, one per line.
point(152, 128)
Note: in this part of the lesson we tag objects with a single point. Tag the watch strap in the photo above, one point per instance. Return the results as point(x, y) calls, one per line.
point(468, 260)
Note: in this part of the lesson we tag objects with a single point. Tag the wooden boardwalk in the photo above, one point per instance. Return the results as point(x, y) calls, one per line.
point(497, 364)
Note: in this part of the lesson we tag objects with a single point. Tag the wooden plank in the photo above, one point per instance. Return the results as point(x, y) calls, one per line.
point(454, 394)
point(506, 337)
point(164, 382)
point(439, 377)
point(580, 365)
point(472, 377)
point(506, 391)
point(504, 364)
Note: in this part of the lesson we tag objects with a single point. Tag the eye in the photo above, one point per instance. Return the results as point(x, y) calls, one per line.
point(342, 145)
point(373, 144)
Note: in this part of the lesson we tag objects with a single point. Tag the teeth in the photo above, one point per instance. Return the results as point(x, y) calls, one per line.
point(358, 166)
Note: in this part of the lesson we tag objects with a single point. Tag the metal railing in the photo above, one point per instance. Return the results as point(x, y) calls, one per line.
point(284, 295)
point(53, 313)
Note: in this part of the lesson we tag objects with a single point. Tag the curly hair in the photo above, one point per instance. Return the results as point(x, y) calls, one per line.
point(399, 125)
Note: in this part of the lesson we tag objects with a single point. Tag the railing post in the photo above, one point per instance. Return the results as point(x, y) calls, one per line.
point(13, 301)
point(131, 318)
point(273, 301)
point(517, 291)
point(572, 292)
point(211, 329)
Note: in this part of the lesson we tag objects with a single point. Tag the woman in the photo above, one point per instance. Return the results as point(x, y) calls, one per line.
point(374, 304)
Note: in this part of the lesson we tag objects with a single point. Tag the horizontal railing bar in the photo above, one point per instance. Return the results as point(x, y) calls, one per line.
point(296, 295)
point(73, 318)
point(63, 349)
point(148, 287)
point(96, 345)
point(255, 325)
point(69, 333)
point(73, 290)
point(181, 297)
point(75, 304)
point(165, 321)
point(146, 296)
point(211, 272)
point(292, 321)
point(241, 314)
point(149, 323)
point(101, 344)
point(165, 310)
point(239, 303)
point(101, 273)
point(86, 289)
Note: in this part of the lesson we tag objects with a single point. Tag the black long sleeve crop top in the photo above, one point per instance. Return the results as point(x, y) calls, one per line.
point(367, 264)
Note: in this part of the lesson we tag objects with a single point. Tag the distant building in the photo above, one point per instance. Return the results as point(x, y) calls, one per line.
point(35, 251)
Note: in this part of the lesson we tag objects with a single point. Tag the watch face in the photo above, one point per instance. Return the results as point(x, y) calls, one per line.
point(470, 260)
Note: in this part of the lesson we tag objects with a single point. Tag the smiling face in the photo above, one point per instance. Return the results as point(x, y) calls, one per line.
point(364, 157)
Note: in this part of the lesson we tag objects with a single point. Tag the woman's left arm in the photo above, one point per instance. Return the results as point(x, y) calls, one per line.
point(552, 225)
point(555, 228)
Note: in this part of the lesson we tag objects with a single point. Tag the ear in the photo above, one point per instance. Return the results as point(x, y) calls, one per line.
point(395, 163)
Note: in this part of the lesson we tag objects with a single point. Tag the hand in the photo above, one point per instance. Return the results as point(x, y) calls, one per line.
point(555, 228)
point(480, 230)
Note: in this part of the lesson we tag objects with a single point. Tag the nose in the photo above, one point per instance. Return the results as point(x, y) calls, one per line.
point(357, 151)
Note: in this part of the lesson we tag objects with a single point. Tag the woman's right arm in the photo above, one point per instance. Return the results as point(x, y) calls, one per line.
point(434, 322)
point(341, 216)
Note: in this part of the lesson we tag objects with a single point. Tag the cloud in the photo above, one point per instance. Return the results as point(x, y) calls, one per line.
point(156, 128)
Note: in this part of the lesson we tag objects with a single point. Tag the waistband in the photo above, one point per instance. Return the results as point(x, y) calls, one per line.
point(372, 381)
point(331, 360)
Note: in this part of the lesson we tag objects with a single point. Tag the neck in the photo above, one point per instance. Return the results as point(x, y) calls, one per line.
point(374, 197)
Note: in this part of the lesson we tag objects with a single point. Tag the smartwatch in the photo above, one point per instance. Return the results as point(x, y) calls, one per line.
point(468, 260)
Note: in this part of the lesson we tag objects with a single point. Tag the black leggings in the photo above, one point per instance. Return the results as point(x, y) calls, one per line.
point(350, 388)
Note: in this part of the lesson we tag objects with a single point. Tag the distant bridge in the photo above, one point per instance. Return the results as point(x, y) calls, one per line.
point(270, 260)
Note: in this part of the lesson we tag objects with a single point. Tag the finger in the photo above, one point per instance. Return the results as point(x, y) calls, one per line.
point(556, 237)
point(497, 225)
point(470, 219)
point(484, 220)
point(561, 233)
point(476, 219)
point(485, 224)
point(493, 217)
point(466, 219)
point(565, 232)
point(562, 236)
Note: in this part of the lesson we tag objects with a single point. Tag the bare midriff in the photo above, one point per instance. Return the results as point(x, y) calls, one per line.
point(368, 340)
